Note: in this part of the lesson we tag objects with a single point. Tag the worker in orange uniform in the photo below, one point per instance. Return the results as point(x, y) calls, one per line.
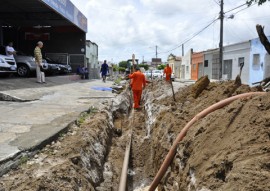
point(168, 72)
point(138, 84)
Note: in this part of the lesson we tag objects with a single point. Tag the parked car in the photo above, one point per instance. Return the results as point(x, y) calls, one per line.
point(26, 65)
point(157, 74)
point(62, 68)
point(147, 74)
point(7, 65)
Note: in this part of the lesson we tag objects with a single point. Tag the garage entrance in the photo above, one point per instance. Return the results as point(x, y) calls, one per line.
point(58, 23)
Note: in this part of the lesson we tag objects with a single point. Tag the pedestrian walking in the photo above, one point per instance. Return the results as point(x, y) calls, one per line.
point(38, 60)
point(137, 86)
point(104, 70)
point(168, 72)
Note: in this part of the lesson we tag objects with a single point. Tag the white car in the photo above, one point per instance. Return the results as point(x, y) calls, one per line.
point(7, 65)
point(157, 74)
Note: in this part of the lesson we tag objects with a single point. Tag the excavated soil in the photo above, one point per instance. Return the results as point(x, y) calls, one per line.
point(227, 150)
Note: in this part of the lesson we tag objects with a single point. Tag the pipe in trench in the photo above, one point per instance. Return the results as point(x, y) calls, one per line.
point(183, 132)
point(123, 179)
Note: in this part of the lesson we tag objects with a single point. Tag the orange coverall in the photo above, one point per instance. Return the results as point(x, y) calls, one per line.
point(138, 83)
point(168, 72)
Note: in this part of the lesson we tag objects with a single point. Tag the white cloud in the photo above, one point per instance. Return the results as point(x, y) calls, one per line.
point(124, 27)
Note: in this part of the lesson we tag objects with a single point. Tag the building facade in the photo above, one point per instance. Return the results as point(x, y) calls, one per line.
point(259, 68)
point(234, 56)
point(92, 59)
point(175, 63)
point(186, 65)
point(197, 65)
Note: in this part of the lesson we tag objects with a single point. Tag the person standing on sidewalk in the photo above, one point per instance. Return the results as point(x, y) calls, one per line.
point(104, 70)
point(38, 59)
point(168, 72)
point(138, 84)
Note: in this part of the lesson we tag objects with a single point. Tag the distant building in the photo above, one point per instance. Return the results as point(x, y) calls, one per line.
point(155, 62)
point(186, 65)
point(249, 55)
point(211, 63)
point(92, 59)
point(175, 63)
point(196, 65)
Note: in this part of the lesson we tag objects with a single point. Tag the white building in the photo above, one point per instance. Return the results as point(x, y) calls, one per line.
point(92, 59)
point(186, 65)
point(233, 56)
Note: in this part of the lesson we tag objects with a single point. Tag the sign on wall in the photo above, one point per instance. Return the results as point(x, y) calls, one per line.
point(67, 9)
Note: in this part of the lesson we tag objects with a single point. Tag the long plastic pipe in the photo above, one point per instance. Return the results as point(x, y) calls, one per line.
point(123, 179)
point(183, 132)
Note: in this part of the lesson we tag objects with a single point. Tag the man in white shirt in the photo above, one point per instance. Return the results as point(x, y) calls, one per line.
point(10, 50)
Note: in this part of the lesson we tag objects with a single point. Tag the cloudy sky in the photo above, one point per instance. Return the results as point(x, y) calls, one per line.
point(123, 27)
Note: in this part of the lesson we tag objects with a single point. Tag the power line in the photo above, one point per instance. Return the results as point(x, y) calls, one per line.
point(196, 34)
point(216, 2)
point(244, 9)
point(235, 8)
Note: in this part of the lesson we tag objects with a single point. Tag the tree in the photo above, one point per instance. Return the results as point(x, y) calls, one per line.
point(263, 38)
point(121, 69)
point(123, 64)
point(249, 2)
point(145, 66)
point(161, 67)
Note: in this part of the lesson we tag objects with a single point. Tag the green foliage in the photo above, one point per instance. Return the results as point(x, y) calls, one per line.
point(145, 66)
point(23, 159)
point(115, 68)
point(122, 64)
point(249, 2)
point(117, 81)
point(86, 114)
point(161, 67)
point(121, 69)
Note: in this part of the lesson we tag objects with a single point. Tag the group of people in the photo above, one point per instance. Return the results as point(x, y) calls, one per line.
point(10, 52)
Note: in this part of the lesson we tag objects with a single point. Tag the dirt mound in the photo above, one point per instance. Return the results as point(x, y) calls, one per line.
point(227, 150)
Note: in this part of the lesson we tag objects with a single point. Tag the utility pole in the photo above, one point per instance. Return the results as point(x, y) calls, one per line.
point(182, 49)
point(156, 55)
point(156, 51)
point(221, 17)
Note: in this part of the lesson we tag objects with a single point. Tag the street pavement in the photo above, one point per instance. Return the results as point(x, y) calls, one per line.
point(43, 110)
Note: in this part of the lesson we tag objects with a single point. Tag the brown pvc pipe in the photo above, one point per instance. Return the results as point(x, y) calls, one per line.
point(183, 132)
point(123, 179)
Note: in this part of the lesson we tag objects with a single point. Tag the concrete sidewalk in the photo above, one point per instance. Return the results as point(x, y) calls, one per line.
point(47, 110)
